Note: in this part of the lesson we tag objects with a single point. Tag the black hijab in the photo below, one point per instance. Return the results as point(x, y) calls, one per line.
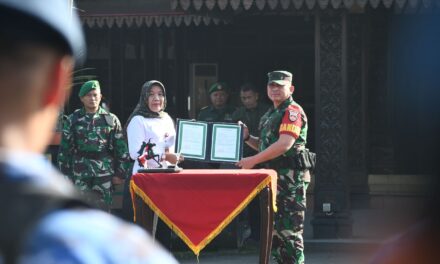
point(142, 106)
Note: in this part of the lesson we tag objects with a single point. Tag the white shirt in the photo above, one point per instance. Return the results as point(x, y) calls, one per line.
point(161, 131)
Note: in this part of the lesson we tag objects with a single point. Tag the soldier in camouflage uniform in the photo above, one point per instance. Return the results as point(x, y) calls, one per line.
point(283, 136)
point(219, 110)
point(93, 152)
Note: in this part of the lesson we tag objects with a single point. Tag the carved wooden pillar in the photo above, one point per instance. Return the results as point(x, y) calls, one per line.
point(332, 182)
point(357, 105)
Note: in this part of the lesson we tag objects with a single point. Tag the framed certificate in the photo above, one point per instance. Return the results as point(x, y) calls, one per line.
point(207, 141)
point(226, 142)
point(191, 139)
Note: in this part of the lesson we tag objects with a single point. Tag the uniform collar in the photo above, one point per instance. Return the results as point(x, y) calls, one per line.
point(224, 108)
point(286, 103)
point(252, 109)
point(101, 111)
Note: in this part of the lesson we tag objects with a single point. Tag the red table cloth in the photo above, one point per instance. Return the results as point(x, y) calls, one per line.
point(198, 204)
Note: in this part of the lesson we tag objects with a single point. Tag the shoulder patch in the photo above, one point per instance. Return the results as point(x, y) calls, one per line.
point(293, 115)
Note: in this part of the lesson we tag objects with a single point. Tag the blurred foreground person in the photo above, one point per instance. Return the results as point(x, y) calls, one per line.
point(42, 219)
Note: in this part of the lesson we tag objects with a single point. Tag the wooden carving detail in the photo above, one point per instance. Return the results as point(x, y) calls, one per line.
point(356, 102)
point(330, 164)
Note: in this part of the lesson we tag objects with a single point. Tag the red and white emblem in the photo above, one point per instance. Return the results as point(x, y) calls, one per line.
point(293, 115)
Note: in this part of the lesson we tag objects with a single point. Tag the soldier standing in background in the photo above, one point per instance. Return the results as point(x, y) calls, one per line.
point(250, 113)
point(93, 152)
point(281, 144)
point(219, 110)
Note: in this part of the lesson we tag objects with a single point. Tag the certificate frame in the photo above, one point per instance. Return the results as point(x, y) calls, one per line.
point(207, 136)
point(182, 128)
point(236, 131)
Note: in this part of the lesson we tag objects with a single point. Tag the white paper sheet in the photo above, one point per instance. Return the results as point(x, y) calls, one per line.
point(192, 139)
point(225, 142)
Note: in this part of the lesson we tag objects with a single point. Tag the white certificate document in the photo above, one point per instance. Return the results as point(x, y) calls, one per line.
point(192, 139)
point(225, 142)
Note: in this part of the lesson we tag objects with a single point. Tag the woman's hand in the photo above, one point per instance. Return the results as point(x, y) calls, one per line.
point(174, 158)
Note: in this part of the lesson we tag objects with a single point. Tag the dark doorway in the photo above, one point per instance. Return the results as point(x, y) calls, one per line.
point(251, 46)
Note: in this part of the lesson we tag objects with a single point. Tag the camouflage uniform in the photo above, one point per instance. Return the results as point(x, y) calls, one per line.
point(210, 114)
point(92, 151)
point(289, 118)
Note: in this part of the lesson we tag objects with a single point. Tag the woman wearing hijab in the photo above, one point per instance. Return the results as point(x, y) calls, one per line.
point(149, 122)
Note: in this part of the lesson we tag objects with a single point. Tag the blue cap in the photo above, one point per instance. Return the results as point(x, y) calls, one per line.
point(55, 15)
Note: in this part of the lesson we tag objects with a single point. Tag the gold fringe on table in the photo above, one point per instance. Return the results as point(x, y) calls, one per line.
point(196, 248)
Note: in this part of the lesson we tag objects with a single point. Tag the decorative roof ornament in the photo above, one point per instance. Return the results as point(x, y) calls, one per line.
point(248, 5)
point(165, 20)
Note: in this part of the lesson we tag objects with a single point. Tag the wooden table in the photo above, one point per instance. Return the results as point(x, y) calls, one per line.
point(195, 198)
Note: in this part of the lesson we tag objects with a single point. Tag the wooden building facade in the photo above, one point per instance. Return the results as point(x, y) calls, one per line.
point(353, 63)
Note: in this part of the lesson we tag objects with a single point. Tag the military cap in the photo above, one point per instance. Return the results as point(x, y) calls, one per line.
point(49, 16)
point(218, 86)
point(279, 77)
point(88, 86)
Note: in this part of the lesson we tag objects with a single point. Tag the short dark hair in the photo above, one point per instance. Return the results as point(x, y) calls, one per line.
point(248, 87)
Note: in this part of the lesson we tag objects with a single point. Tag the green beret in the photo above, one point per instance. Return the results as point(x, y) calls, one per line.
point(219, 86)
point(88, 86)
point(279, 77)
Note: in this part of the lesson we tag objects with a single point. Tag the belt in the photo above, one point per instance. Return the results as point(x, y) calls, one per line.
point(92, 155)
point(291, 162)
point(90, 181)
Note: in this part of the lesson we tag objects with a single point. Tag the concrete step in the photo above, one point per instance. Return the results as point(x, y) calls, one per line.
point(373, 224)
point(317, 251)
point(351, 245)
